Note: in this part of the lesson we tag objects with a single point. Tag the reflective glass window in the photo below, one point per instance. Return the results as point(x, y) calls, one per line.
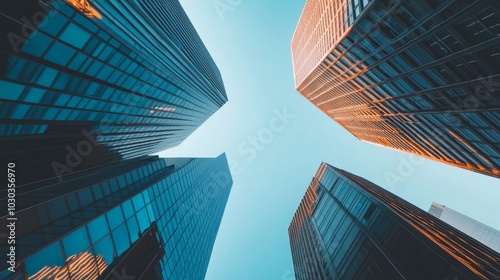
point(98, 228)
point(74, 35)
point(121, 239)
point(85, 197)
point(115, 217)
point(10, 91)
point(49, 256)
point(57, 208)
point(143, 219)
point(138, 201)
point(97, 192)
point(105, 249)
point(133, 229)
point(128, 209)
point(37, 44)
point(59, 53)
point(47, 77)
point(76, 242)
point(34, 95)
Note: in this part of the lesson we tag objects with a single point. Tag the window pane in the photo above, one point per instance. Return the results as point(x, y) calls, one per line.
point(49, 256)
point(76, 242)
point(98, 228)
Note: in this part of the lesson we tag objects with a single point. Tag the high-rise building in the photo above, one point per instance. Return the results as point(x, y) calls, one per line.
point(349, 228)
point(417, 76)
point(477, 230)
point(85, 82)
point(144, 218)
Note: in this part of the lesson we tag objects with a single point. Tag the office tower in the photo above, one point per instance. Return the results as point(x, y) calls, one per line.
point(477, 230)
point(417, 76)
point(86, 83)
point(349, 228)
point(144, 218)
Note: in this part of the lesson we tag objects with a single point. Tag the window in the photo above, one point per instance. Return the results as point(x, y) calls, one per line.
point(76, 242)
point(105, 248)
point(369, 212)
point(98, 228)
point(47, 77)
point(59, 53)
point(37, 44)
point(10, 91)
point(49, 256)
point(121, 239)
point(74, 35)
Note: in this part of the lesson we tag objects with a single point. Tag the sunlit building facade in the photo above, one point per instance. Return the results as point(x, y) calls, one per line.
point(349, 228)
point(421, 77)
point(475, 229)
point(145, 218)
point(89, 82)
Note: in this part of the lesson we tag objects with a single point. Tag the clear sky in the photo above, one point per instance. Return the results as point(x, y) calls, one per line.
point(250, 42)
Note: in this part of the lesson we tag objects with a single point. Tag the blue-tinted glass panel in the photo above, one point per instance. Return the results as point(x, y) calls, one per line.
point(138, 202)
point(10, 91)
point(47, 77)
point(133, 229)
point(49, 256)
point(57, 208)
point(121, 239)
point(143, 219)
point(85, 197)
point(105, 249)
point(76, 242)
point(98, 228)
point(115, 217)
point(34, 95)
point(128, 209)
point(74, 35)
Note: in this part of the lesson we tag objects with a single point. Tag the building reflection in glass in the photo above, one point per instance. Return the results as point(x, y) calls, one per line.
point(349, 228)
point(150, 218)
point(86, 83)
point(417, 76)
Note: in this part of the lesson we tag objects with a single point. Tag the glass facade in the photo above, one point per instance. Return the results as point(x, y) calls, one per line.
point(475, 229)
point(148, 218)
point(417, 76)
point(128, 77)
point(349, 228)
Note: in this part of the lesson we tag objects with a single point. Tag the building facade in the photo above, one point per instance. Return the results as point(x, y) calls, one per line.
point(145, 218)
point(475, 229)
point(86, 83)
point(421, 77)
point(349, 228)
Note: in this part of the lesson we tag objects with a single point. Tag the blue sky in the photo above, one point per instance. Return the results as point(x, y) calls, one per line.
point(275, 141)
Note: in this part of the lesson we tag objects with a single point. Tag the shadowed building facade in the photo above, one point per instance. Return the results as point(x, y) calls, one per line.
point(349, 228)
point(421, 77)
point(146, 218)
point(86, 83)
point(475, 229)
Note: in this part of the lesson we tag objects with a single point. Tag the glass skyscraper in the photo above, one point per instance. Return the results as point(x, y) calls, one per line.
point(349, 228)
point(86, 83)
point(421, 77)
point(145, 218)
point(475, 229)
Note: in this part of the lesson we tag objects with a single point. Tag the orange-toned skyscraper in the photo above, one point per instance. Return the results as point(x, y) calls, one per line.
point(418, 76)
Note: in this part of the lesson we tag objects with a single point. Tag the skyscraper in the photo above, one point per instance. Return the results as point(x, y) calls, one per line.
point(349, 228)
point(417, 76)
point(477, 230)
point(86, 83)
point(145, 218)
